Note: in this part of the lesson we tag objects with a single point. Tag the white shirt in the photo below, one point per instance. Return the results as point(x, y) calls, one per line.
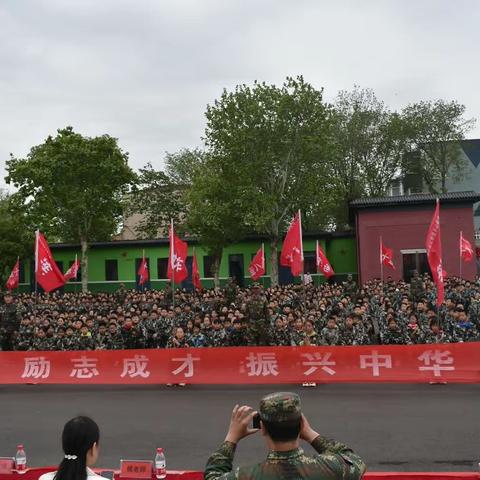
point(91, 475)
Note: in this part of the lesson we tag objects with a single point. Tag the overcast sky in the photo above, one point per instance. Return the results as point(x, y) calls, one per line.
point(143, 71)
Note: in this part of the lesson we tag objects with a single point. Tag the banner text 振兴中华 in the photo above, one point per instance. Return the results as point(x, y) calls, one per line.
point(453, 363)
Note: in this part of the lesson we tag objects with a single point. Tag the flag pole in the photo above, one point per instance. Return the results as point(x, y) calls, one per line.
point(263, 260)
point(172, 256)
point(76, 275)
point(36, 264)
point(460, 253)
point(142, 288)
point(381, 262)
point(302, 276)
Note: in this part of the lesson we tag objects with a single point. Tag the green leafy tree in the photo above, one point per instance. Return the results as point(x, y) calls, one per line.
point(370, 142)
point(272, 150)
point(160, 195)
point(190, 191)
point(72, 187)
point(435, 129)
point(15, 240)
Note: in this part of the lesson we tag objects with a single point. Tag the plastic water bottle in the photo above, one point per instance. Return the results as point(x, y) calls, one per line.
point(160, 464)
point(20, 459)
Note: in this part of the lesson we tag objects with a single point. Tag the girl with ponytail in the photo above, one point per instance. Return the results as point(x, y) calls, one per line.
point(80, 444)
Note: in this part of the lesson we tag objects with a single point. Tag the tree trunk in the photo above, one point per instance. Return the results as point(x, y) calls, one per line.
point(274, 262)
point(84, 263)
point(217, 258)
point(444, 187)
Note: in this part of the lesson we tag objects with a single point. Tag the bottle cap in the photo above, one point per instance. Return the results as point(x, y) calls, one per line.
point(159, 450)
point(19, 447)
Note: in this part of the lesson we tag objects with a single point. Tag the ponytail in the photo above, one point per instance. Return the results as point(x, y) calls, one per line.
point(78, 437)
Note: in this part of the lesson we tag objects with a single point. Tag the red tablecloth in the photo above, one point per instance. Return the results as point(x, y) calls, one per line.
point(34, 473)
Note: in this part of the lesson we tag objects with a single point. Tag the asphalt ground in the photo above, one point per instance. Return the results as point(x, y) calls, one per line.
point(394, 427)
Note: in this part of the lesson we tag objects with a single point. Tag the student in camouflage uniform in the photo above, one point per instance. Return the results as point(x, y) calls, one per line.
point(350, 287)
point(280, 334)
point(331, 333)
point(237, 337)
point(351, 334)
point(178, 340)
point(218, 336)
point(9, 323)
point(197, 338)
point(257, 315)
point(416, 287)
point(297, 333)
point(283, 426)
point(230, 291)
point(114, 338)
point(311, 336)
point(393, 335)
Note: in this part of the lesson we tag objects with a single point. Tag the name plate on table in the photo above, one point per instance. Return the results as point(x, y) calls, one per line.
point(7, 465)
point(136, 469)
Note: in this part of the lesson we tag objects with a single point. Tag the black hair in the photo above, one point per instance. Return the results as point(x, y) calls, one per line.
point(285, 431)
point(79, 435)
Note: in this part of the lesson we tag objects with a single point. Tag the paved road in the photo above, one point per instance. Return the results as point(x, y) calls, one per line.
point(394, 427)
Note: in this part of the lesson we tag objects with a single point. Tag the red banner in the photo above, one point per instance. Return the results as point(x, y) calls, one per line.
point(456, 363)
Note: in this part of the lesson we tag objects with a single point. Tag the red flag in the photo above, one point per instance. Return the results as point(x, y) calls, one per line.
point(323, 265)
point(386, 256)
point(196, 274)
point(47, 273)
point(143, 272)
point(14, 278)
point(292, 251)
point(72, 272)
point(433, 244)
point(177, 267)
point(466, 250)
point(257, 265)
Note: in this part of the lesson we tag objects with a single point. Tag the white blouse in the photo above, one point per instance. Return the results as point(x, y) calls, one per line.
point(91, 475)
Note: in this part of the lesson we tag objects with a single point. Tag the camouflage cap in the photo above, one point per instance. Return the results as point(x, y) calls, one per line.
point(280, 407)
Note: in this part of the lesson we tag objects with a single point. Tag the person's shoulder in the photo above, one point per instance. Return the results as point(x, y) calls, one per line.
point(48, 476)
point(91, 475)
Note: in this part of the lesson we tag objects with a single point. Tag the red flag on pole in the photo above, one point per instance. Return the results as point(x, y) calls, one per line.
point(323, 265)
point(433, 244)
point(466, 250)
point(142, 273)
point(47, 273)
point(386, 256)
point(196, 274)
point(72, 272)
point(257, 265)
point(14, 278)
point(292, 251)
point(177, 267)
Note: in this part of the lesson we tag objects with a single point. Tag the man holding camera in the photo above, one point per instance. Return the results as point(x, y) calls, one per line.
point(283, 425)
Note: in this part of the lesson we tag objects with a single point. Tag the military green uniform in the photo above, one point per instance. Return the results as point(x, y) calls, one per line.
point(333, 461)
point(230, 292)
point(416, 288)
point(259, 323)
point(9, 326)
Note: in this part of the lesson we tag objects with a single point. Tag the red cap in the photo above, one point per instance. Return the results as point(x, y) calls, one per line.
point(19, 447)
point(159, 450)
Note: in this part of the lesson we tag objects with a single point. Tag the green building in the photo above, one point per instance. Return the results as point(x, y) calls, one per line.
point(115, 262)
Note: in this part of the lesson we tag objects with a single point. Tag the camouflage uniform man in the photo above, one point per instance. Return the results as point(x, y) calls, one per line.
point(416, 287)
point(350, 288)
point(115, 338)
point(230, 291)
point(280, 334)
point(257, 314)
point(218, 336)
point(283, 425)
point(331, 333)
point(9, 323)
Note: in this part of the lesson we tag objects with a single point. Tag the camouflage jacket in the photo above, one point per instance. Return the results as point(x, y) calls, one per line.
point(334, 460)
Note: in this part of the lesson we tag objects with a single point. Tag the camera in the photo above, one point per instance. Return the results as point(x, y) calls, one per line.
point(256, 421)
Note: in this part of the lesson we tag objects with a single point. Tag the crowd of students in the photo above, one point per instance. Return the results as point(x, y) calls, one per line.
point(326, 314)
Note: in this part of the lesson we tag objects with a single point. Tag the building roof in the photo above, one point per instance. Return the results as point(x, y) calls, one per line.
point(415, 199)
point(472, 150)
point(191, 240)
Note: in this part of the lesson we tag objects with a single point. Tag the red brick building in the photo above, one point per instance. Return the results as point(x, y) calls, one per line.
point(402, 222)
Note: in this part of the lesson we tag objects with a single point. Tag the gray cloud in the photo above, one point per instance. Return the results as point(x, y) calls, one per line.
point(144, 70)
